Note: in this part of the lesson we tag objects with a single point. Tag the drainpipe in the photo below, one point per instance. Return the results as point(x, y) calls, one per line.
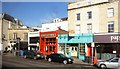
point(93, 45)
point(65, 50)
point(78, 50)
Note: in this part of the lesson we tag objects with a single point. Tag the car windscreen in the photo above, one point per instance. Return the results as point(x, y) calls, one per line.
point(62, 55)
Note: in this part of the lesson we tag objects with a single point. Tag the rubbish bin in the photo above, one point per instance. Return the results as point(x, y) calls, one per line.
point(22, 53)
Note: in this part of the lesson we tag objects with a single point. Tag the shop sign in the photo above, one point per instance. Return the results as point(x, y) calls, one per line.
point(115, 38)
point(48, 35)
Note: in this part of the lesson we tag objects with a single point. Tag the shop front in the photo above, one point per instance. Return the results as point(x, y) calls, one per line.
point(78, 46)
point(48, 42)
point(107, 45)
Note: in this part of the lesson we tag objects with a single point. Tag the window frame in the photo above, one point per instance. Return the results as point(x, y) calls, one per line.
point(89, 14)
point(110, 22)
point(78, 16)
point(110, 13)
point(89, 27)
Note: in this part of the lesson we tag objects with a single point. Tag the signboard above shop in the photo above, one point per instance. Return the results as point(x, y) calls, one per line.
point(107, 38)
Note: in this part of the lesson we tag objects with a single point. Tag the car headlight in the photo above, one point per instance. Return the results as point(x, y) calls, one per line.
point(69, 59)
point(38, 55)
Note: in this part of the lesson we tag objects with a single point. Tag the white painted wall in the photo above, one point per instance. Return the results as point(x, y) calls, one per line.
point(54, 26)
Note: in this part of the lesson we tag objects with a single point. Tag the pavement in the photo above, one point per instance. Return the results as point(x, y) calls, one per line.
point(78, 61)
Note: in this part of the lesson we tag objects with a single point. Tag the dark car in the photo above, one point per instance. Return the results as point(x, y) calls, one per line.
point(59, 58)
point(33, 54)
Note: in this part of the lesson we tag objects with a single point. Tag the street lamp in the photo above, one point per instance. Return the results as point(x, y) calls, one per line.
point(18, 41)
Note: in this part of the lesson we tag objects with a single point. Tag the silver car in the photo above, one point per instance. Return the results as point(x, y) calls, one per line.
point(111, 63)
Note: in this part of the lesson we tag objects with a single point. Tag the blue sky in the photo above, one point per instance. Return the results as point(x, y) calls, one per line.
point(35, 13)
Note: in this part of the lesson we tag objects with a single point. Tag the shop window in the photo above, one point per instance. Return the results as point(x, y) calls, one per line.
point(82, 49)
point(54, 48)
point(75, 48)
point(50, 48)
point(46, 49)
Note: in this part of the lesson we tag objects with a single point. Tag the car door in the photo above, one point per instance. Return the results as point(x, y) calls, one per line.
point(113, 63)
point(53, 57)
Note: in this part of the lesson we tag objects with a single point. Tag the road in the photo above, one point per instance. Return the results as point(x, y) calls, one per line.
point(20, 62)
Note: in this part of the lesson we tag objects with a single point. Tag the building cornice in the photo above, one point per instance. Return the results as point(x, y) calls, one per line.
point(87, 6)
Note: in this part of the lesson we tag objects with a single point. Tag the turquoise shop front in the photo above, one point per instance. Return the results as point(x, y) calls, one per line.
point(75, 46)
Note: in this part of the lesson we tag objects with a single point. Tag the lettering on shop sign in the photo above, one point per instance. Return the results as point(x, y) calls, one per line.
point(48, 35)
point(115, 38)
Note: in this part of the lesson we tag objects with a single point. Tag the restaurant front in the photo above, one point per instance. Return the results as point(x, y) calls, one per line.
point(107, 45)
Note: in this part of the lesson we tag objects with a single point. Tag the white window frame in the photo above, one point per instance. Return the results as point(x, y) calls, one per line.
point(110, 12)
point(89, 27)
point(77, 29)
point(110, 22)
point(14, 36)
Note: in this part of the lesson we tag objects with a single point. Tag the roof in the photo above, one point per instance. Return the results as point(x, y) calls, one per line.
point(8, 17)
point(64, 19)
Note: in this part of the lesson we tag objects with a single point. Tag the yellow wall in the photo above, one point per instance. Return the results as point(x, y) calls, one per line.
point(99, 17)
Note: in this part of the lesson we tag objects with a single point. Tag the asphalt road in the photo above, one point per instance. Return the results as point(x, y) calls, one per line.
point(22, 63)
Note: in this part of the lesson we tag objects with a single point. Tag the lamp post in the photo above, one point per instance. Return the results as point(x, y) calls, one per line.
point(18, 41)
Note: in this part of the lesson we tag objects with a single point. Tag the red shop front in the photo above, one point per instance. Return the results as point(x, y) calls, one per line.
point(49, 42)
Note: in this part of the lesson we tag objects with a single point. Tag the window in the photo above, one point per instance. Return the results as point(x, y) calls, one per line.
point(89, 28)
point(110, 12)
point(34, 40)
point(114, 60)
point(78, 16)
point(89, 14)
point(25, 36)
point(82, 49)
point(14, 36)
point(77, 29)
point(110, 26)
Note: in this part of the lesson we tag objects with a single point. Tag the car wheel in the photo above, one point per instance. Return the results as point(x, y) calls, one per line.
point(103, 66)
point(65, 61)
point(49, 59)
point(25, 56)
point(35, 58)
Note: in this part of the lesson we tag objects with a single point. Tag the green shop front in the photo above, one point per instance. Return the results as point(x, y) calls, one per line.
point(78, 46)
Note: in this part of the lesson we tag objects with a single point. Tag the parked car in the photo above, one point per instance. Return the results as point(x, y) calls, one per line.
point(55, 57)
point(110, 63)
point(33, 54)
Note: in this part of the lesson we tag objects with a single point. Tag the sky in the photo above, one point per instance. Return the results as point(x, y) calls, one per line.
point(35, 13)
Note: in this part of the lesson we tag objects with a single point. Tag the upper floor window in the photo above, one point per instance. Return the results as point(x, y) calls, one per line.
point(89, 28)
point(14, 36)
point(110, 12)
point(89, 14)
point(25, 36)
point(110, 26)
point(77, 29)
point(78, 16)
